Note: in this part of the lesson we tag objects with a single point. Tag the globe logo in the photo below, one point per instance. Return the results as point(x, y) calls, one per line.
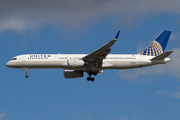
point(154, 49)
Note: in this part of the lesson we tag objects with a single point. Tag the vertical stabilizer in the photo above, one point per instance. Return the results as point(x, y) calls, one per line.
point(158, 46)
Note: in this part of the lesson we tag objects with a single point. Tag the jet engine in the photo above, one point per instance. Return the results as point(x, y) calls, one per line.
point(75, 63)
point(73, 73)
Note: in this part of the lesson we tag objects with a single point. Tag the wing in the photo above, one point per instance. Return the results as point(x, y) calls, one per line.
point(95, 58)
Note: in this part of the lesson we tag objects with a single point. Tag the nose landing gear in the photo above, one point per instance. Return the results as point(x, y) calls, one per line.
point(25, 69)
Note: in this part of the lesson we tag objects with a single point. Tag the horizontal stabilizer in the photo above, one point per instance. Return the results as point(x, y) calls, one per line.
point(162, 56)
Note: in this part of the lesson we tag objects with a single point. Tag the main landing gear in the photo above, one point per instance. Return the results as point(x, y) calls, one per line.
point(25, 69)
point(91, 78)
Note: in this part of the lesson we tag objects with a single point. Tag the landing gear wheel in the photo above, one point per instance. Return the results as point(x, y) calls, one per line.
point(88, 78)
point(26, 76)
point(26, 72)
point(92, 79)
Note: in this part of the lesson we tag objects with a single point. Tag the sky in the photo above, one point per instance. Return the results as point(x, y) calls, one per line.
point(80, 27)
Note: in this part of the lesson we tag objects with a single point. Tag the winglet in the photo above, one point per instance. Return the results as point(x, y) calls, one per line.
point(117, 35)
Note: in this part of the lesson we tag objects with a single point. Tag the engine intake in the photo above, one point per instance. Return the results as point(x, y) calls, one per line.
point(73, 73)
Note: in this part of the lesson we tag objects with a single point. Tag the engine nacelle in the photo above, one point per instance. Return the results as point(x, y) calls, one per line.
point(73, 73)
point(75, 63)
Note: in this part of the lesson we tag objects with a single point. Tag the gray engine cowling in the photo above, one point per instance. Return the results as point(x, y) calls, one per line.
point(73, 73)
point(75, 63)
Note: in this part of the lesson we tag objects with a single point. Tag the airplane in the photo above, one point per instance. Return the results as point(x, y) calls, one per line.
point(94, 63)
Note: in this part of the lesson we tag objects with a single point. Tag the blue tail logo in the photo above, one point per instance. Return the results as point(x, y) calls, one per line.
point(158, 46)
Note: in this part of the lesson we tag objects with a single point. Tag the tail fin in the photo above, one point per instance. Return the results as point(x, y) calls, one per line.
point(158, 46)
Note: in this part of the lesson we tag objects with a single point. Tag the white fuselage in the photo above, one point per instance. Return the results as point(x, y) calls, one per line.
point(76, 64)
point(112, 61)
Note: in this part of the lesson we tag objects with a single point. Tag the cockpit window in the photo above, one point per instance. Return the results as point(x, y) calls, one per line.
point(14, 59)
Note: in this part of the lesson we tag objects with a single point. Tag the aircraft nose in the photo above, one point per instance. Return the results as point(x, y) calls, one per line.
point(8, 64)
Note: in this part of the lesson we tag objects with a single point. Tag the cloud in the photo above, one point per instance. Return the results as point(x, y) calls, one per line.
point(124, 118)
point(69, 14)
point(135, 115)
point(2, 116)
point(175, 94)
point(171, 68)
point(163, 93)
point(134, 74)
point(174, 66)
point(85, 116)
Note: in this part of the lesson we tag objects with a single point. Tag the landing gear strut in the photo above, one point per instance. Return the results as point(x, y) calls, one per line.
point(25, 69)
